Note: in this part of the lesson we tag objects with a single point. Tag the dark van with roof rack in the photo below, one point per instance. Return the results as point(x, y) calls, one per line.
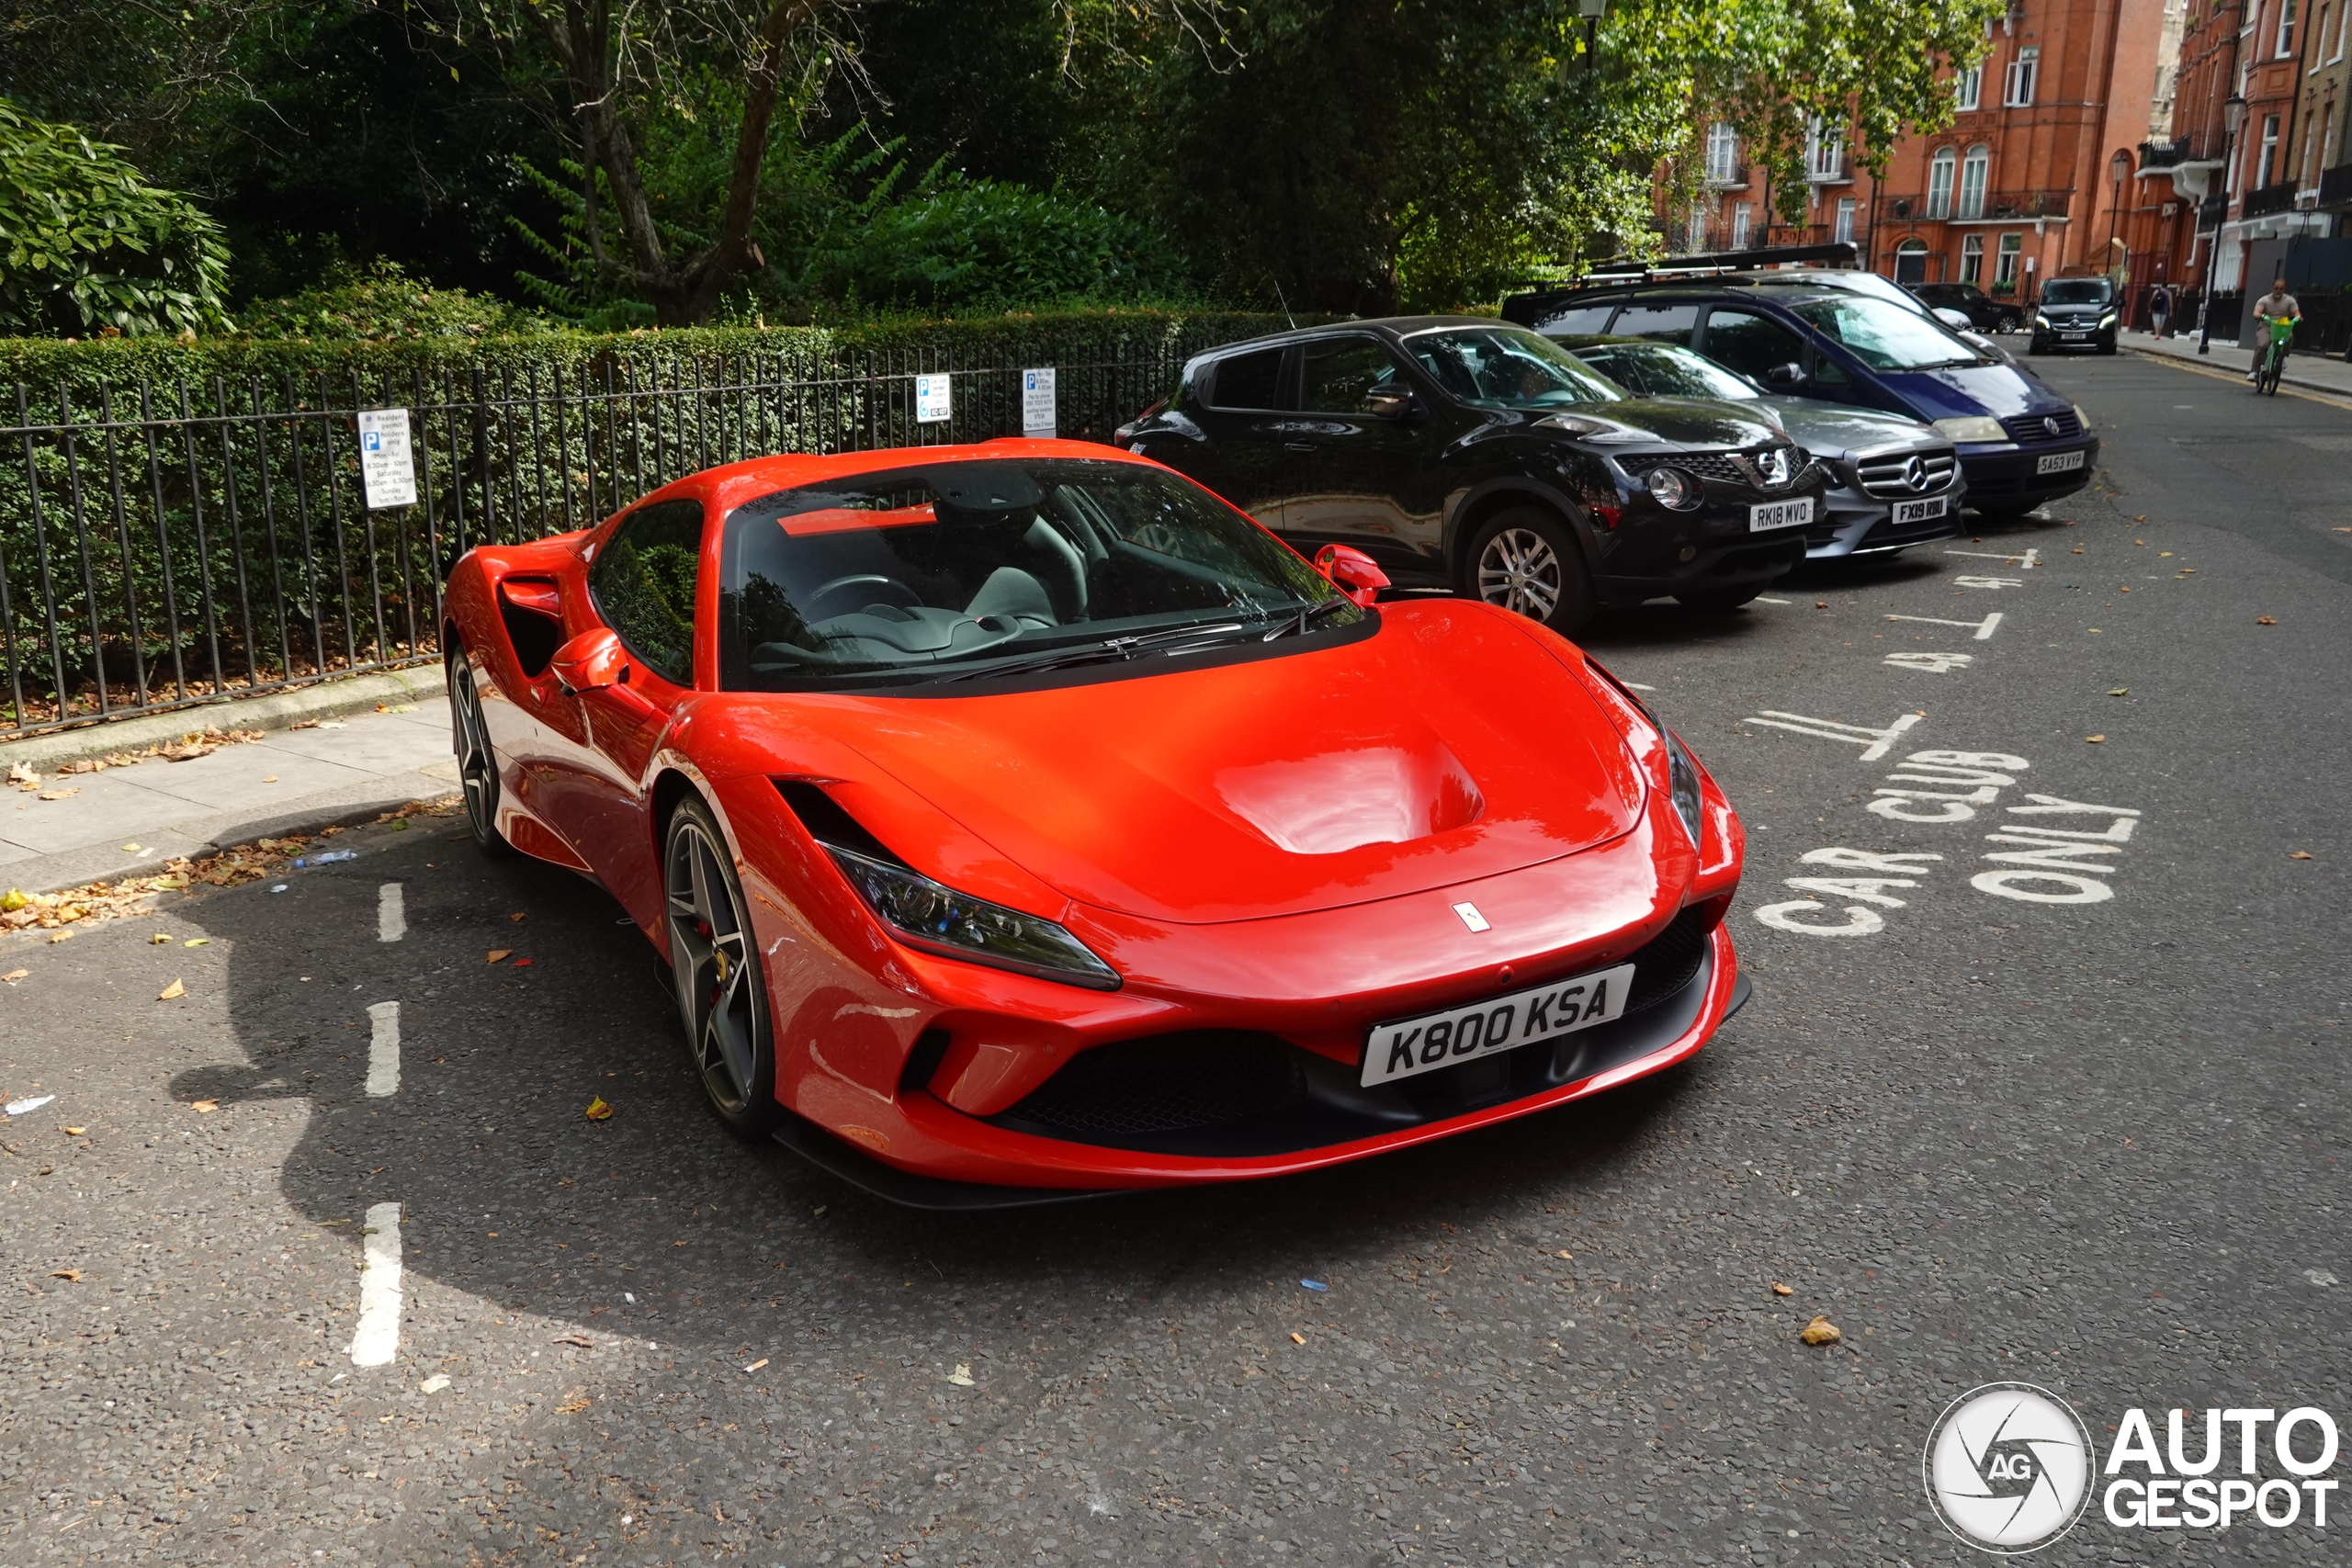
point(1798, 333)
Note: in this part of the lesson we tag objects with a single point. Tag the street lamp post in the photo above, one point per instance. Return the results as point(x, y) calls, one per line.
point(1592, 11)
point(2233, 115)
point(2119, 169)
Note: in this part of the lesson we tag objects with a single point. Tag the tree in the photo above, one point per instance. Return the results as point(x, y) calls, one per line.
point(87, 245)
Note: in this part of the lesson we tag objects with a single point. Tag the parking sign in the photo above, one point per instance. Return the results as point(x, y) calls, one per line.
point(387, 475)
point(931, 399)
point(1037, 404)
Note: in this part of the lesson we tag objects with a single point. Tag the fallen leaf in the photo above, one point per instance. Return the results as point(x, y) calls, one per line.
point(579, 1339)
point(76, 1131)
point(304, 724)
point(573, 1406)
point(1298, 1338)
point(13, 975)
point(2078, 549)
point(161, 939)
point(2265, 621)
point(516, 915)
point(61, 936)
point(755, 1366)
point(496, 954)
point(1821, 604)
point(2299, 854)
point(1821, 1331)
point(962, 1376)
point(204, 1107)
point(19, 773)
point(14, 900)
point(2094, 740)
point(1780, 1290)
point(598, 1111)
point(134, 849)
point(59, 793)
point(2162, 553)
point(198, 942)
point(524, 962)
point(2127, 591)
point(2120, 692)
point(1571, 1256)
point(12, 772)
point(434, 1384)
point(66, 1274)
point(171, 992)
point(270, 779)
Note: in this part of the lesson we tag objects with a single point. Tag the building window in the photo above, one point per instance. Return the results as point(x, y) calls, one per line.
point(1824, 152)
point(1697, 231)
point(2269, 164)
point(2286, 39)
point(1972, 170)
point(1971, 91)
point(1911, 262)
point(1939, 173)
point(1723, 154)
point(2319, 32)
point(1971, 259)
point(2005, 264)
point(1845, 230)
point(2020, 78)
point(2343, 22)
point(1742, 215)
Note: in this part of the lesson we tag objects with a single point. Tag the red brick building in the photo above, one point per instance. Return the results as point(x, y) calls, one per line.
point(2019, 188)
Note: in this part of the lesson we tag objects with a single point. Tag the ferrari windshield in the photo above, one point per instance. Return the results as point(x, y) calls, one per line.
point(1508, 367)
point(951, 569)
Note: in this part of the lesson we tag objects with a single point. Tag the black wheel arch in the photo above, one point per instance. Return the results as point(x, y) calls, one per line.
point(1503, 492)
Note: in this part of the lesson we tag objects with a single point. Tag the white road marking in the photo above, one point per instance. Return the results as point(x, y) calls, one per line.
point(392, 913)
point(1967, 582)
point(384, 1049)
point(1875, 743)
point(1761, 600)
point(1636, 685)
point(1933, 663)
point(1984, 628)
point(377, 1341)
point(2031, 558)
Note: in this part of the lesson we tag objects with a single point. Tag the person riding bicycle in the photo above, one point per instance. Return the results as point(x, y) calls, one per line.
point(2280, 305)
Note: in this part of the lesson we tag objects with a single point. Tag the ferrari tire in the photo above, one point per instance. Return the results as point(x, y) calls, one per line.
point(1525, 560)
point(477, 758)
point(1718, 601)
point(715, 973)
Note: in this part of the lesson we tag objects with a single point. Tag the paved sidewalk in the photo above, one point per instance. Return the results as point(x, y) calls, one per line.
point(126, 822)
point(2308, 371)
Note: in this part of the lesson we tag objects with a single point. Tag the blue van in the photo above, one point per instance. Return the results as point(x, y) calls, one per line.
point(1815, 334)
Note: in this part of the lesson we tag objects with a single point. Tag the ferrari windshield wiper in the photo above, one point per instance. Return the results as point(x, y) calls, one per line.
point(1295, 626)
point(1109, 648)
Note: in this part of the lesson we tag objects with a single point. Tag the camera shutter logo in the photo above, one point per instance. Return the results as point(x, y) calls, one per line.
point(2008, 1467)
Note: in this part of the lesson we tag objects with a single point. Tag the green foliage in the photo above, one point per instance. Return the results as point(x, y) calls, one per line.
point(87, 245)
point(381, 302)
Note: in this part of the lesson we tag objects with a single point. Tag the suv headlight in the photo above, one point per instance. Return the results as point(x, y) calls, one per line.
point(2108, 320)
point(2041, 321)
point(1971, 427)
point(1682, 775)
point(1673, 488)
point(934, 917)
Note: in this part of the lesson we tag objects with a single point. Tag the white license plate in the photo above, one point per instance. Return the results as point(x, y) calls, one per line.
point(2059, 463)
point(1779, 513)
point(1438, 1040)
point(2076, 337)
point(1922, 511)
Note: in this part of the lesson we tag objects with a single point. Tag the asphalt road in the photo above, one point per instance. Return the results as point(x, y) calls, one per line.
point(2091, 1144)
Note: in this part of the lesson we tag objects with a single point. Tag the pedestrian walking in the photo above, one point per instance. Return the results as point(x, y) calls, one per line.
point(2159, 308)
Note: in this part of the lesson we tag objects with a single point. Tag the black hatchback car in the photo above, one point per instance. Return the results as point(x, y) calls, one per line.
point(1459, 451)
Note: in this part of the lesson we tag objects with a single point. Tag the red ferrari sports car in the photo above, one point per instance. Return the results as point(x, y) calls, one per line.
point(1021, 821)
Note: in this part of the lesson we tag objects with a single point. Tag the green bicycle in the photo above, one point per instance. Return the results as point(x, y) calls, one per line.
point(2274, 355)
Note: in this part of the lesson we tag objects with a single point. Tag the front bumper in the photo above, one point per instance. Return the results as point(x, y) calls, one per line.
point(2006, 476)
point(1654, 551)
point(1862, 524)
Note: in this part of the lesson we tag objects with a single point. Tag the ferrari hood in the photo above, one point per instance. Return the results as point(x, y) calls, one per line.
point(1446, 746)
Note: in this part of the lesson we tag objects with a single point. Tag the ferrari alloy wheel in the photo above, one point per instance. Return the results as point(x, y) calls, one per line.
point(715, 970)
point(477, 759)
point(1523, 561)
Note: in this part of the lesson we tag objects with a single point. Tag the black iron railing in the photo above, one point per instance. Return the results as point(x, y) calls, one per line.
point(163, 546)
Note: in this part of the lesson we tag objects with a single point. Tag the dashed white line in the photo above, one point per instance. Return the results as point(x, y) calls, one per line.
point(384, 1049)
point(392, 913)
point(2030, 560)
point(1761, 600)
point(377, 1341)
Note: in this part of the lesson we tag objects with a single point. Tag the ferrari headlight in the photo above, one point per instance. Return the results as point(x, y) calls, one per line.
point(935, 917)
point(1682, 774)
point(1971, 427)
point(1672, 488)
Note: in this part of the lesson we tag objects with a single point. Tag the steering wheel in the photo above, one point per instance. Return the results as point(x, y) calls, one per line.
point(892, 591)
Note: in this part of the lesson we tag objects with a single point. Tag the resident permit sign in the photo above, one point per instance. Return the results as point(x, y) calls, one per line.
point(932, 405)
point(386, 473)
point(1037, 404)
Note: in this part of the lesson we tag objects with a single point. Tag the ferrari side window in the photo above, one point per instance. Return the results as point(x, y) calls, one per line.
point(644, 584)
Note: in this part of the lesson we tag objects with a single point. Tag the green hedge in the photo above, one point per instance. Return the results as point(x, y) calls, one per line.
point(187, 555)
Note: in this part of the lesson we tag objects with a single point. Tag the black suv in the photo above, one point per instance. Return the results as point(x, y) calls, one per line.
point(1462, 453)
point(2076, 313)
point(1985, 314)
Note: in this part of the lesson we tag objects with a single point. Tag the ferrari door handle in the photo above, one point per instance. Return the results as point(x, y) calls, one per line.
point(1298, 446)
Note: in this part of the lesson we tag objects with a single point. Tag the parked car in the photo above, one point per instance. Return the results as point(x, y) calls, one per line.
point(2019, 443)
point(1020, 820)
point(1985, 314)
point(1464, 454)
point(1893, 481)
point(2076, 313)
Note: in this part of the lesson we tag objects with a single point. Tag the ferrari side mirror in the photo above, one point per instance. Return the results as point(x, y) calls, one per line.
point(1353, 573)
point(591, 661)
